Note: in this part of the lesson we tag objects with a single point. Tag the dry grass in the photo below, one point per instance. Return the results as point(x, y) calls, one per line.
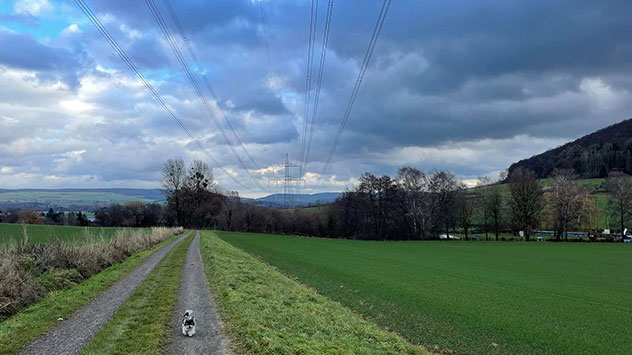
point(28, 272)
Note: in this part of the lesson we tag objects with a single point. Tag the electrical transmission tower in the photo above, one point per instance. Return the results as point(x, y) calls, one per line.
point(289, 184)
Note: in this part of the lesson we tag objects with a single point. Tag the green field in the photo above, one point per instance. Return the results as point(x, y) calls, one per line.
point(12, 233)
point(66, 198)
point(266, 312)
point(528, 298)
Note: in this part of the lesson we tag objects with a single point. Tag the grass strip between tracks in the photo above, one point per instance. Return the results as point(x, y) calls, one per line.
point(266, 312)
point(139, 326)
point(18, 330)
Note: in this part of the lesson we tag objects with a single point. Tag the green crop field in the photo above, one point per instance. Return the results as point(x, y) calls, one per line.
point(528, 298)
point(12, 233)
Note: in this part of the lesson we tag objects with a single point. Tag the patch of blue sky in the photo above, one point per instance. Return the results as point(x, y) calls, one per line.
point(6, 7)
point(44, 27)
point(160, 75)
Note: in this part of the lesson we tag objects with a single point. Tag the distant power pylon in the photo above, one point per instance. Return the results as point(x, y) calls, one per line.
point(289, 184)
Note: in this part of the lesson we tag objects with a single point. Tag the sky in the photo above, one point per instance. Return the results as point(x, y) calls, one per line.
point(467, 86)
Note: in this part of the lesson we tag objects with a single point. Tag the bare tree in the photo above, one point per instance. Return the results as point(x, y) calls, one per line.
point(465, 203)
point(135, 213)
point(443, 188)
point(569, 201)
point(173, 178)
point(492, 204)
point(527, 200)
point(231, 202)
point(620, 191)
point(200, 202)
point(30, 217)
point(200, 176)
point(481, 189)
point(415, 187)
point(379, 192)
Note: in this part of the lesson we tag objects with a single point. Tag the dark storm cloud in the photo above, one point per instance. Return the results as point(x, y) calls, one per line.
point(481, 57)
point(474, 52)
point(25, 52)
point(478, 50)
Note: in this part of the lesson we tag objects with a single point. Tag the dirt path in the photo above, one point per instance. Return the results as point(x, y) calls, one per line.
point(71, 335)
point(194, 294)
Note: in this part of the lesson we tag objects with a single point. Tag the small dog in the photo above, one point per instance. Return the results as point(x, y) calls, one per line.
point(188, 323)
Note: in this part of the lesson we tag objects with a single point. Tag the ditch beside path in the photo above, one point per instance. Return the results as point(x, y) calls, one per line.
point(72, 334)
point(195, 295)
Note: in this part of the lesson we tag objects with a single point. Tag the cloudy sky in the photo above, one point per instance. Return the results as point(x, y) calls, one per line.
point(469, 86)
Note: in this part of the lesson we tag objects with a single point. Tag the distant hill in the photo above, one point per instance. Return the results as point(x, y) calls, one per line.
point(91, 199)
point(592, 156)
point(302, 200)
point(74, 199)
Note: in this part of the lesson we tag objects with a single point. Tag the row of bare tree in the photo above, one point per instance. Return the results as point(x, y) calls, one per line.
point(415, 205)
point(412, 205)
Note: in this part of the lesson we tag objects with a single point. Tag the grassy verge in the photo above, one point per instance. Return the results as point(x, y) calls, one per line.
point(473, 298)
point(139, 326)
point(18, 330)
point(269, 313)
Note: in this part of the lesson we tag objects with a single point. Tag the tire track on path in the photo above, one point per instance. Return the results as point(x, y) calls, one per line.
point(195, 295)
point(71, 335)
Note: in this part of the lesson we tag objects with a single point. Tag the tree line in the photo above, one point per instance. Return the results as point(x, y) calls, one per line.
point(30, 216)
point(413, 205)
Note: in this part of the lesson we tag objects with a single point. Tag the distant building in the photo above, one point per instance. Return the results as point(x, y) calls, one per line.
point(449, 236)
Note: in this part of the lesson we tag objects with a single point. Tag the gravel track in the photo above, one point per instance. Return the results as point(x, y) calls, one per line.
point(72, 334)
point(195, 295)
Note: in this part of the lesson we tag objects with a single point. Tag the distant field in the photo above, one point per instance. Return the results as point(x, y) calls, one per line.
point(27, 196)
point(10, 233)
point(528, 298)
point(73, 197)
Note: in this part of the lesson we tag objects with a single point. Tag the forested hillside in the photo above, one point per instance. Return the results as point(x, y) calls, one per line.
point(592, 156)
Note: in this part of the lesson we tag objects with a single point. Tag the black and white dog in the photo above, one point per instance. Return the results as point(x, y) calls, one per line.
point(188, 323)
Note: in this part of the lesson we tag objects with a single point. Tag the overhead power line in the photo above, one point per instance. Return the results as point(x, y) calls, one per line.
point(264, 26)
point(356, 87)
point(176, 21)
point(265, 37)
point(105, 33)
point(319, 81)
point(176, 50)
point(308, 79)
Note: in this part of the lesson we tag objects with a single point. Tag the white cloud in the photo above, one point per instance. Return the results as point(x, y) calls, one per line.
point(33, 7)
point(7, 120)
point(130, 32)
point(600, 92)
point(75, 106)
point(275, 82)
point(72, 29)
